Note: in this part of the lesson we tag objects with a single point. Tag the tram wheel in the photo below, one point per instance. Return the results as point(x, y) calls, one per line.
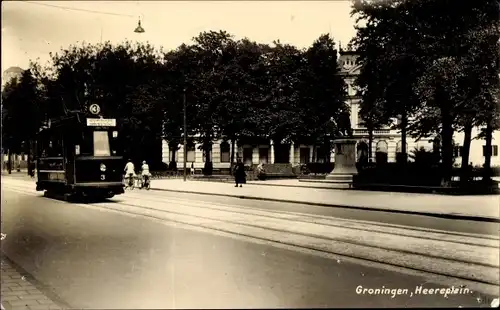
point(69, 197)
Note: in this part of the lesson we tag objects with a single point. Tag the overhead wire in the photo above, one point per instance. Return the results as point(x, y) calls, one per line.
point(76, 9)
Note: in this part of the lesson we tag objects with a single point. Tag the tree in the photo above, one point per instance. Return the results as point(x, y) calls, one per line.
point(324, 112)
point(281, 94)
point(123, 79)
point(213, 50)
point(240, 110)
point(443, 60)
point(180, 66)
point(386, 44)
point(463, 74)
point(20, 114)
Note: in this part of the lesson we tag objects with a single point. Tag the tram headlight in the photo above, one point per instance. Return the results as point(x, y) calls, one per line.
point(103, 167)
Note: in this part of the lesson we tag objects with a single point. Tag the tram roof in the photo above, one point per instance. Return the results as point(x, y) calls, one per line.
point(74, 120)
point(62, 123)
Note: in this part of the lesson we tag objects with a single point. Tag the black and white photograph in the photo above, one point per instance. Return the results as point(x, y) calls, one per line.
point(250, 154)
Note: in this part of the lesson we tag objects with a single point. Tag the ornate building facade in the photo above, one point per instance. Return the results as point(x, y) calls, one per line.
point(10, 73)
point(385, 145)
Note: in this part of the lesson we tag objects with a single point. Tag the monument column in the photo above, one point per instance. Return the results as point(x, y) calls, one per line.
point(345, 169)
point(345, 160)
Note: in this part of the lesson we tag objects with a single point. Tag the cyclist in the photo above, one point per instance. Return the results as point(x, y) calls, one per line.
point(146, 175)
point(129, 172)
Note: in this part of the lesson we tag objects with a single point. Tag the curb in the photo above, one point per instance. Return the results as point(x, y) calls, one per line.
point(44, 289)
point(275, 185)
point(429, 214)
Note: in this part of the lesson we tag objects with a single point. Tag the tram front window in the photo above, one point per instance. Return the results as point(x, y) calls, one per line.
point(101, 144)
point(96, 143)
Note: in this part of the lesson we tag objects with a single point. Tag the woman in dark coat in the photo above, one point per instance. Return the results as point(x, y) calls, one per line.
point(239, 174)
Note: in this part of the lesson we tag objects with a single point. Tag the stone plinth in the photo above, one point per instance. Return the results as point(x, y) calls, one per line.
point(345, 159)
point(345, 165)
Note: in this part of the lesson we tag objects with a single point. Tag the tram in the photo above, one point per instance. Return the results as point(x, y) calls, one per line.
point(79, 155)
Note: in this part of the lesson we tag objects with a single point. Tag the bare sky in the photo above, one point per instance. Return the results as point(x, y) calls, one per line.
point(31, 30)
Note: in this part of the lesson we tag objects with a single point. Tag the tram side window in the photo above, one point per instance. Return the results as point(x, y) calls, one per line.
point(54, 147)
point(85, 146)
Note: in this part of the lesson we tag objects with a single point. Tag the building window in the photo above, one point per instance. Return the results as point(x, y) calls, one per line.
point(263, 155)
point(191, 153)
point(225, 152)
point(382, 147)
point(321, 155)
point(381, 151)
point(304, 155)
point(247, 155)
point(494, 150)
point(362, 152)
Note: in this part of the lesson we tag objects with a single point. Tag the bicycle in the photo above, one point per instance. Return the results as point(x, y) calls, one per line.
point(130, 182)
point(145, 182)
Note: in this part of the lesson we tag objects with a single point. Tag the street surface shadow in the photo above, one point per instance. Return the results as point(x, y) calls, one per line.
point(77, 199)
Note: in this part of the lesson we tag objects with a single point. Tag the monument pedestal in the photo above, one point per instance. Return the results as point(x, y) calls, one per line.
point(345, 165)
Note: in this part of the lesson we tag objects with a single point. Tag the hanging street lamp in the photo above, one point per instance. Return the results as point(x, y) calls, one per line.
point(139, 28)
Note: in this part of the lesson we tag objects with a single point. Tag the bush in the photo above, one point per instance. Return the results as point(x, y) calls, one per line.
point(319, 168)
point(400, 174)
point(172, 166)
point(161, 167)
point(261, 172)
point(208, 169)
point(423, 157)
point(496, 171)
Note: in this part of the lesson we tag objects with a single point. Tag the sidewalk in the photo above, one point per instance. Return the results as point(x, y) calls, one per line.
point(484, 208)
point(18, 291)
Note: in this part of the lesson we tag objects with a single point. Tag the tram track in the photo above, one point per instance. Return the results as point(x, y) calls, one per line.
point(403, 231)
point(278, 229)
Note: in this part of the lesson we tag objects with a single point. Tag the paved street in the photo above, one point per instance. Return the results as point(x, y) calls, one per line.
point(167, 250)
point(487, 205)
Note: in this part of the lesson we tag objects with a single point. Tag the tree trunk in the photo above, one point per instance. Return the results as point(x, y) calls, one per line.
point(314, 157)
point(207, 169)
point(487, 156)
point(9, 162)
point(404, 124)
point(370, 143)
point(28, 162)
point(447, 147)
point(174, 153)
point(233, 146)
point(464, 169)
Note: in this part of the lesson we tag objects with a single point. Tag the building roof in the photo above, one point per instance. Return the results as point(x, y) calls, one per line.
point(14, 70)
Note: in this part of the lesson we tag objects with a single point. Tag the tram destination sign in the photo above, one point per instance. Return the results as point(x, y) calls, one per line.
point(101, 122)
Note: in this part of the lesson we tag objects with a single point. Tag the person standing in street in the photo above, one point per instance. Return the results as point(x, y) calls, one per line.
point(239, 174)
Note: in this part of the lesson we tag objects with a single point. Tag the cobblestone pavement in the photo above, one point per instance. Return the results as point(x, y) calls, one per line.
point(18, 291)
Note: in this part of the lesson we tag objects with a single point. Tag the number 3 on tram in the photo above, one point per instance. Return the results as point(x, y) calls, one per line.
point(80, 156)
